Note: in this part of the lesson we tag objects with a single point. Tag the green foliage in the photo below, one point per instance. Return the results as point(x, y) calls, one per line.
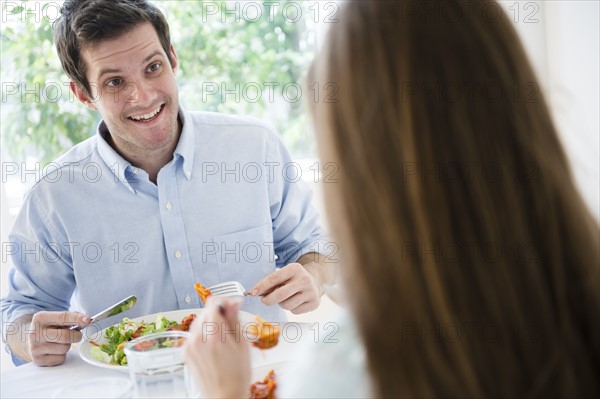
point(39, 115)
point(219, 55)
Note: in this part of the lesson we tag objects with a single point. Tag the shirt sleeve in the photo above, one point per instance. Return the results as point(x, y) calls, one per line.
point(42, 276)
point(296, 228)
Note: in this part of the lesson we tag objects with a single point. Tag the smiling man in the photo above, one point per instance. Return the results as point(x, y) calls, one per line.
point(140, 208)
point(136, 94)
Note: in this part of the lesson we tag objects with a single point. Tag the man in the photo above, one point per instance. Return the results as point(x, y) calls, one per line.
point(140, 209)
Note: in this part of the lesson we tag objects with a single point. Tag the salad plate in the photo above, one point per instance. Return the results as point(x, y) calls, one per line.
point(89, 350)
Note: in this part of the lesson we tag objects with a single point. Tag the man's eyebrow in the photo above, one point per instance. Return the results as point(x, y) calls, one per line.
point(113, 70)
point(107, 71)
point(157, 52)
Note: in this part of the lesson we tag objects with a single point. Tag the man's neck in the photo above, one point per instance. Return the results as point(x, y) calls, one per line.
point(151, 161)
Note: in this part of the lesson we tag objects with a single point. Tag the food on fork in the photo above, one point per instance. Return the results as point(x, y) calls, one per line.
point(267, 333)
point(202, 292)
point(264, 389)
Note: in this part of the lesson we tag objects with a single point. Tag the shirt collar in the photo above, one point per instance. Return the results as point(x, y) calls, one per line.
point(116, 163)
point(121, 167)
point(186, 146)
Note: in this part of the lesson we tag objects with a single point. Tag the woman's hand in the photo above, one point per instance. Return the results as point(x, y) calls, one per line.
point(216, 354)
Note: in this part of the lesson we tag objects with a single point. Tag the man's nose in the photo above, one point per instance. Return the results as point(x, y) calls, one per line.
point(141, 93)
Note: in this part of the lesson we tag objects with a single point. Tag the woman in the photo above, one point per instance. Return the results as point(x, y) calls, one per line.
point(470, 259)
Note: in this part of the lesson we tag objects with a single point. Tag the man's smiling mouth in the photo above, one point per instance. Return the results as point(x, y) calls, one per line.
point(144, 118)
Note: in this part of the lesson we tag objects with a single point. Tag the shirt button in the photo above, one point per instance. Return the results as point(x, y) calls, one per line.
point(178, 254)
point(168, 206)
point(188, 173)
point(188, 299)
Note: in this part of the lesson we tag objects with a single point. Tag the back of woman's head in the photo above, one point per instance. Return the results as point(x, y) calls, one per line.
point(471, 262)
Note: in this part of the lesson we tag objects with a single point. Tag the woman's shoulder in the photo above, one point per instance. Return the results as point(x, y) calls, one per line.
point(335, 366)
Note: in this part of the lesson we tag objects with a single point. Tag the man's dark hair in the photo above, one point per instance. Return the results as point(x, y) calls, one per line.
point(87, 22)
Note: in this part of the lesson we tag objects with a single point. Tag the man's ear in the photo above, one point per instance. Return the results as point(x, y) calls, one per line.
point(82, 96)
point(175, 63)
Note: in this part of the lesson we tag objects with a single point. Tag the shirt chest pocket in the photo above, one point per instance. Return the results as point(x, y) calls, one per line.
point(246, 256)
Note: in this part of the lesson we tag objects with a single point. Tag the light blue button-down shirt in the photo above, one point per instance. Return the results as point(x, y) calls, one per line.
point(229, 206)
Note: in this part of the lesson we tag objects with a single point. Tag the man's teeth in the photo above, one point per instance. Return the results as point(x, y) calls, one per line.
point(147, 116)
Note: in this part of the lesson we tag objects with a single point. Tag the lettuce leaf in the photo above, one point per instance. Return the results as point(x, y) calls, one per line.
point(99, 355)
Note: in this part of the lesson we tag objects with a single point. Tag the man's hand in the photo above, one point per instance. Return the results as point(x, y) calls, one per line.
point(45, 337)
point(293, 287)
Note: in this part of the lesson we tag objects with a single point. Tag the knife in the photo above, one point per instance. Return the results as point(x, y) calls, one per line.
point(113, 310)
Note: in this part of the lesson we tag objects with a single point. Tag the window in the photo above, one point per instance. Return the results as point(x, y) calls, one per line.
point(241, 57)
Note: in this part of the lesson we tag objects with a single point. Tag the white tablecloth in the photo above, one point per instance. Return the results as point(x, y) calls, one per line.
point(30, 381)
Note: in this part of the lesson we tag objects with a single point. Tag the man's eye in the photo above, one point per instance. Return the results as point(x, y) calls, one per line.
point(154, 67)
point(114, 82)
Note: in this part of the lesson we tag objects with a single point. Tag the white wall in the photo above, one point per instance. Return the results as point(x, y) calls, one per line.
point(573, 55)
point(564, 47)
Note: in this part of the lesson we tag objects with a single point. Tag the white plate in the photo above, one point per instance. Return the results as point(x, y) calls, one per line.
point(100, 337)
point(260, 372)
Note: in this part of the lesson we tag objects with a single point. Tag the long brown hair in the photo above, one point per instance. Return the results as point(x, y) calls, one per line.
point(470, 259)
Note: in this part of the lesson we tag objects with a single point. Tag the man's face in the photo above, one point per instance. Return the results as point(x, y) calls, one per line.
point(133, 87)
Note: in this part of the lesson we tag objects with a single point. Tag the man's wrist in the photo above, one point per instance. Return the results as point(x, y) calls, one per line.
point(313, 264)
point(18, 342)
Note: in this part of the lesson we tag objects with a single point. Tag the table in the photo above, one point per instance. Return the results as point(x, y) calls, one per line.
point(31, 381)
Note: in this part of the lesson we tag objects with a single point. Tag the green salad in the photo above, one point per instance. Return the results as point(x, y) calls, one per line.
point(119, 335)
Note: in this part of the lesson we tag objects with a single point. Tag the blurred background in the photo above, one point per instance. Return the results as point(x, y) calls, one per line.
point(250, 57)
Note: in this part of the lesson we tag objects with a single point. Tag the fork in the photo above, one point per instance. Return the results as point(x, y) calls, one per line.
point(228, 288)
